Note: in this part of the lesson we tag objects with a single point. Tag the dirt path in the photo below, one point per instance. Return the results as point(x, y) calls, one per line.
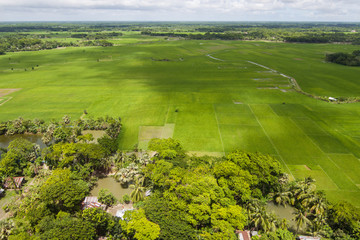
point(218, 59)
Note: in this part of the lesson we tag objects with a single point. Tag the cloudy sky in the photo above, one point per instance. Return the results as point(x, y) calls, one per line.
point(180, 10)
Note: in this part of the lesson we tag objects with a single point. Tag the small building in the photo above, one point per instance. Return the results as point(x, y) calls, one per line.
point(353, 31)
point(92, 202)
point(244, 235)
point(332, 99)
point(13, 182)
point(307, 238)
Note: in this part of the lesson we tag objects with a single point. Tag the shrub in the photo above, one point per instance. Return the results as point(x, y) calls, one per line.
point(126, 198)
point(106, 197)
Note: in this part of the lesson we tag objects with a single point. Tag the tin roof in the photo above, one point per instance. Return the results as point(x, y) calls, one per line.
point(9, 182)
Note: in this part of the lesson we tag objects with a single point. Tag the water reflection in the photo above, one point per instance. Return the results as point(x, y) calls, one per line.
point(5, 140)
point(110, 183)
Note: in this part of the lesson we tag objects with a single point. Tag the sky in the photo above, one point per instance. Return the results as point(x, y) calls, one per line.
point(180, 10)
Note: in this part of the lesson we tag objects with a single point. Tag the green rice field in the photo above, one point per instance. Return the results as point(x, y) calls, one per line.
point(213, 96)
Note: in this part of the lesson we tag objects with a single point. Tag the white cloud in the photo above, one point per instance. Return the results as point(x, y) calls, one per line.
point(236, 10)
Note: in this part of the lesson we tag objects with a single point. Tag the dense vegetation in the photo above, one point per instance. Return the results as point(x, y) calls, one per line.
point(191, 197)
point(345, 58)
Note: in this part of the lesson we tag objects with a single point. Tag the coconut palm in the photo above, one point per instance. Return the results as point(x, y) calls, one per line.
point(260, 221)
point(282, 196)
point(301, 219)
point(318, 221)
point(318, 205)
point(138, 194)
point(272, 222)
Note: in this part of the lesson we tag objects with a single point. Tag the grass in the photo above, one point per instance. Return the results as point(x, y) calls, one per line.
point(211, 106)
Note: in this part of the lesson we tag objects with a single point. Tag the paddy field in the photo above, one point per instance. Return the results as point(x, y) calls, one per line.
point(213, 96)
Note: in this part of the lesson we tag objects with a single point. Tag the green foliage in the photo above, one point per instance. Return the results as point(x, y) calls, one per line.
point(108, 144)
point(65, 228)
point(170, 219)
point(86, 138)
point(126, 198)
point(140, 227)
point(166, 148)
point(279, 234)
point(106, 197)
point(345, 216)
point(195, 197)
point(264, 169)
point(62, 192)
point(76, 155)
point(62, 134)
point(344, 58)
point(101, 220)
point(19, 155)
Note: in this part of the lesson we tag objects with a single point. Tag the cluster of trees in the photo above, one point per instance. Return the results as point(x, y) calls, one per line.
point(35, 42)
point(65, 130)
point(206, 36)
point(16, 43)
point(345, 58)
point(191, 197)
point(97, 36)
point(324, 38)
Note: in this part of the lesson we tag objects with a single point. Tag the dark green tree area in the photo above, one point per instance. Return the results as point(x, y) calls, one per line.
point(344, 58)
point(176, 196)
point(20, 158)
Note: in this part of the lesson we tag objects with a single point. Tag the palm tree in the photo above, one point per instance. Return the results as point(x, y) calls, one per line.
point(272, 222)
point(318, 221)
point(260, 221)
point(301, 219)
point(282, 196)
point(318, 205)
point(138, 194)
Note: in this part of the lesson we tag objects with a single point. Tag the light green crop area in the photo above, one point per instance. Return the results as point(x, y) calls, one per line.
point(213, 96)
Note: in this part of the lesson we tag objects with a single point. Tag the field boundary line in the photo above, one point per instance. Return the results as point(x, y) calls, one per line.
point(218, 126)
point(9, 98)
point(329, 177)
point(316, 124)
point(167, 114)
point(326, 155)
point(272, 143)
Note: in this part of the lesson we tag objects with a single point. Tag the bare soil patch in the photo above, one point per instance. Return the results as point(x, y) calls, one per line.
point(307, 168)
point(7, 91)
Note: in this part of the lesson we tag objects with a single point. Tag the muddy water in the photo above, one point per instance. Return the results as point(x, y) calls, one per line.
point(111, 184)
point(282, 212)
point(5, 140)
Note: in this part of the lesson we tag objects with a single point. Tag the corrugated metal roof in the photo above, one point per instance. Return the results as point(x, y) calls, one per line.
point(244, 235)
point(9, 183)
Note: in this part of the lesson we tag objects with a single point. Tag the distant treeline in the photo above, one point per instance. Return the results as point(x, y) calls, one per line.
point(206, 36)
point(21, 42)
point(345, 58)
point(97, 35)
point(325, 38)
point(353, 38)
